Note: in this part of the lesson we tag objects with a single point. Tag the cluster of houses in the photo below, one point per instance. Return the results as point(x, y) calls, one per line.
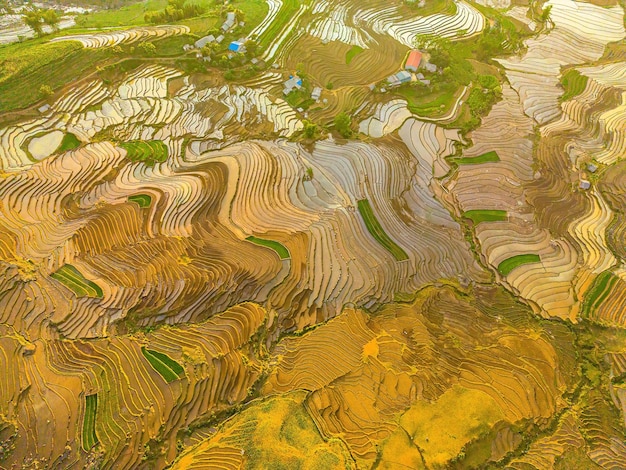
point(413, 63)
point(584, 183)
point(295, 83)
point(399, 78)
point(229, 23)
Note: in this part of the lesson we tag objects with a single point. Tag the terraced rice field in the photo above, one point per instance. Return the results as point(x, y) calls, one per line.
point(282, 252)
point(89, 422)
point(488, 157)
point(69, 276)
point(378, 232)
point(69, 142)
point(108, 39)
point(282, 13)
point(477, 215)
point(163, 364)
point(352, 53)
point(509, 264)
point(150, 152)
point(573, 83)
point(196, 275)
point(143, 200)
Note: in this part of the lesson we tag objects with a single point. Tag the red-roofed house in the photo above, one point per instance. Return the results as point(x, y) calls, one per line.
point(413, 62)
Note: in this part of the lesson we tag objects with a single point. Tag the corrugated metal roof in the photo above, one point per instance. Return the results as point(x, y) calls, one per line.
point(415, 57)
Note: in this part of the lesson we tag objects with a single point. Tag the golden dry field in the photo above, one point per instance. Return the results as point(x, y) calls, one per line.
point(257, 234)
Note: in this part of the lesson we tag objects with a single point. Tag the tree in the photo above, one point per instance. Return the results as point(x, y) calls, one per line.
point(239, 15)
point(176, 4)
point(209, 49)
point(310, 129)
point(175, 10)
point(437, 47)
point(51, 18)
point(251, 48)
point(546, 16)
point(309, 174)
point(33, 19)
point(147, 48)
point(342, 124)
point(45, 90)
point(5, 7)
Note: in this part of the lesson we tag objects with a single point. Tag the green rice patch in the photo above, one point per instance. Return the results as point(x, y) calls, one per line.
point(69, 142)
point(598, 292)
point(89, 422)
point(352, 53)
point(574, 83)
point(508, 265)
point(279, 248)
point(71, 278)
point(143, 200)
point(482, 215)
point(149, 152)
point(169, 369)
point(284, 15)
point(489, 157)
point(376, 230)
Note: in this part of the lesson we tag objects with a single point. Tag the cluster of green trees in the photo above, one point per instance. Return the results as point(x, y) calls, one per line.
point(5, 7)
point(147, 48)
point(485, 93)
point(175, 10)
point(454, 61)
point(100, 4)
point(500, 38)
point(35, 19)
point(343, 125)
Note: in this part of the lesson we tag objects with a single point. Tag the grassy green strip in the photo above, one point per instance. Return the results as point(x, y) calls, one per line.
point(69, 142)
point(164, 365)
point(598, 292)
point(128, 15)
point(424, 102)
point(89, 422)
point(352, 53)
point(171, 363)
point(483, 215)
point(285, 14)
point(26, 67)
point(279, 248)
point(376, 230)
point(508, 265)
point(149, 152)
point(143, 200)
point(574, 83)
point(69, 276)
point(488, 157)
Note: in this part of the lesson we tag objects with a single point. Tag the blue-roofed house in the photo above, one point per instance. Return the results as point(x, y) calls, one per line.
point(236, 46)
point(403, 76)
